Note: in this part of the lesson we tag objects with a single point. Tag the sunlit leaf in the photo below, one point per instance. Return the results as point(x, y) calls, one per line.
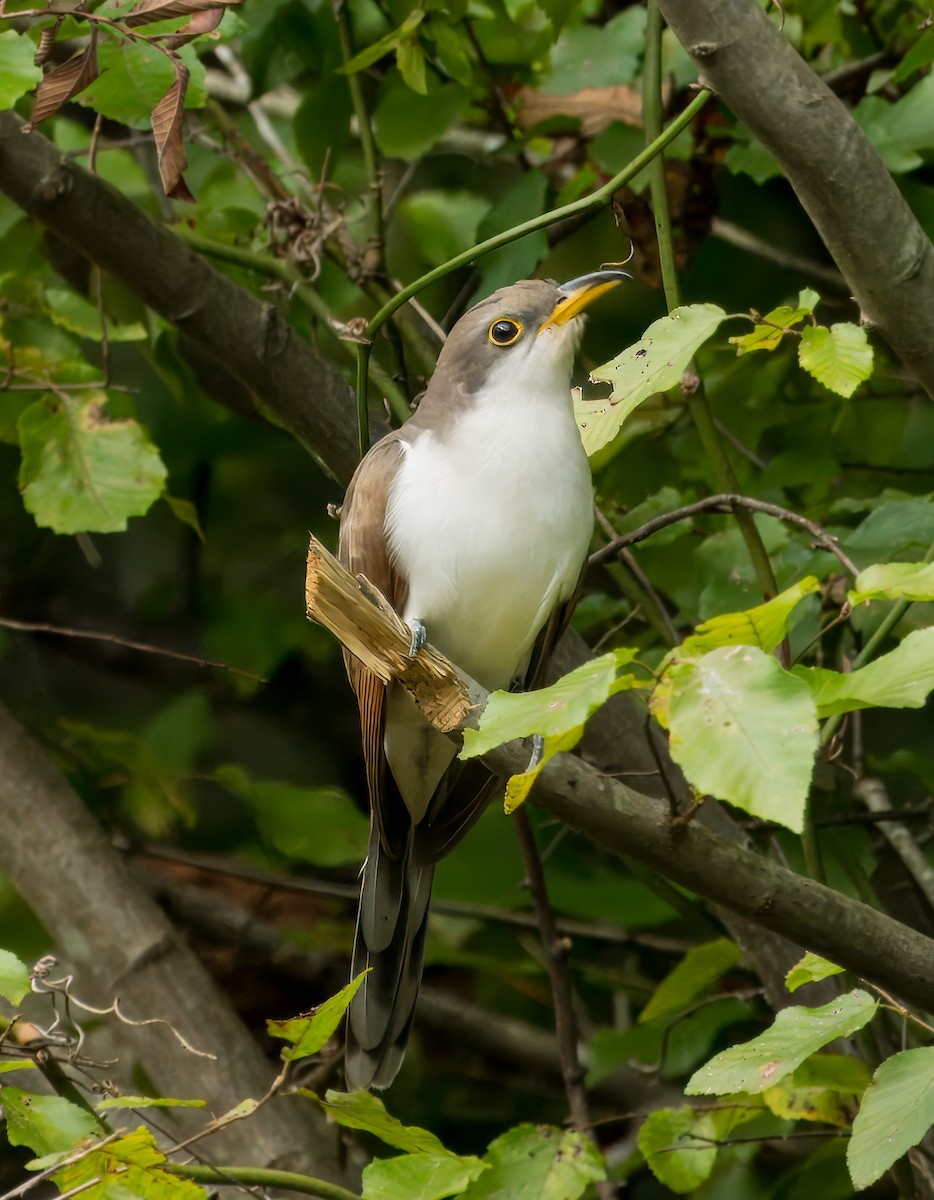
point(742, 729)
point(146, 1102)
point(653, 364)
point(810, 969)
point(764, 626)
point(771, 328)
point(18, 73)
point(82, 471)
point(420, 1176)
point(14, 978)
point(16, 1064)
point(896, 1112)
point(894, 581)
point(538, 1163)
point(903, 678)
point(839, 357)
point(363, 1110)
point(825, 1088)
point(700, 968)
point(133, 1165)
point(795, 1034)
point(45, 1124)
point(309, 1033)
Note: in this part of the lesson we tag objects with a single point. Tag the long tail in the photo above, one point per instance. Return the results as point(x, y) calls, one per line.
point(390, 939)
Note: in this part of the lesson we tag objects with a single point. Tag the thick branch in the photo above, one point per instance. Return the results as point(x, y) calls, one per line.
point(290, 384)
point(119, 943)
point(636, 826)
point(874, 238)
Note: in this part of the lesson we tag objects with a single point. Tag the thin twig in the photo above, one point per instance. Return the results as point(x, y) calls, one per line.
point(125, 643)
point(724, 502)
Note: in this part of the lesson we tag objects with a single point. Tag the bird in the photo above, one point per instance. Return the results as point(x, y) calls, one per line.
point(474, 520)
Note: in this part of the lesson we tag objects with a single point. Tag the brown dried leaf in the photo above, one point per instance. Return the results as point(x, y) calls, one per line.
point(202, 22)
point(148, 11)
point(65, 81)
point(167, 119)
point(594, 107)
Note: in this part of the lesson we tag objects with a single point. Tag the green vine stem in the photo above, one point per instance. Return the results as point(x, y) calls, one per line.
point(263, 1177)
point(596, 199)
point(697, 400)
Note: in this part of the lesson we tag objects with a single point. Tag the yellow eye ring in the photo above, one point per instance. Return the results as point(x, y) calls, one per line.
point(504, 331)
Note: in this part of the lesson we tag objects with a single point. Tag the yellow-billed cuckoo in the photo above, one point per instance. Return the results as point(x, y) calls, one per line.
point(474, 520)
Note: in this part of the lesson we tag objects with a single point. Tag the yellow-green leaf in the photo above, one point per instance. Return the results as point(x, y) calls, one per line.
point(839, 357)
point(764, 626)
point(894, 581)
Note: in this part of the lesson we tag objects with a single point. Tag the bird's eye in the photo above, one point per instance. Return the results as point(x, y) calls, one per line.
point(504, 333)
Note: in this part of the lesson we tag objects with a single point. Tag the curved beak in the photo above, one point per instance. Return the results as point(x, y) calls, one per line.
point(578, 293)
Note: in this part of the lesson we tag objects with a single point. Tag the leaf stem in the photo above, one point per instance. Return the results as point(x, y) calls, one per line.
point(289, 1181)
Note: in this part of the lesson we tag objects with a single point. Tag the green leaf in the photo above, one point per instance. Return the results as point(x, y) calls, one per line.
point(694, 975)
point(78, 315)
point(674, 1155)
point(147, 1102)
point(652, 365)
point(751, 158)
point(320, 825)
point(896, 1112)
point(14, 978)
point(186, 512)
point(918, 56)
point(795, 1034)
point(420, 1176)
point(903, 678)
point(21, 1064)
point(45, 1124)
point(590, 56)
point(524, 201)
point(18, 72)
point(363, 1110)
point(894, 581)
point(557, 713)
point(453, 48)
point(764, 626)
point(825, 1088)
point(131, 1166)
point(771, 328)
point(894, 527)
point(411, 62)
point(134, 78)
point(309, 1033)
point(82, 472)
point(407, 125)
point(743, 730)
point(810, 969)
point(538, 1163)
point(839, 357)
point(384, 45)
point(442, 222)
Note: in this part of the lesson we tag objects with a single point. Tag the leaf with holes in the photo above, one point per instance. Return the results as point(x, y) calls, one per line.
point(167, 119)
point(132, 1165)
point(742, 729)
point(82, 472)
point(309, 1033)
point(65, 81)
point(839, 357)
point(794, 1035)
point(46, 1124)
point(654, 364)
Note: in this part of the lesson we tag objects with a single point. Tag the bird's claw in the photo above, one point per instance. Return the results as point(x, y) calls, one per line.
point(419, 637)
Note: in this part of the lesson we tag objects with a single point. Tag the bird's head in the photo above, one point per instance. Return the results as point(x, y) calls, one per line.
point(526, 332)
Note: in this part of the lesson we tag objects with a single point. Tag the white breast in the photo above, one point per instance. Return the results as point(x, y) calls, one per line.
point(490, 524)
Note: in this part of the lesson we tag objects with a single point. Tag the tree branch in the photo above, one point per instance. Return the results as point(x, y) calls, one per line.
point(636, 826)
point(871, 233)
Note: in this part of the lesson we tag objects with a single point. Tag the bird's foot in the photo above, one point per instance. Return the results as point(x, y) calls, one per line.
point(538, 752)
point(419, 636)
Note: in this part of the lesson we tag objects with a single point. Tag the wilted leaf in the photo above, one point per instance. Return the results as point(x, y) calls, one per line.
point(743, 730)
point(903, 678)
point(167, 118)
point(14, 977)
point(795, 1035)
point(65, 81)
point(83, 472)
point(363, 1110)
point(763, 626)
point(202, 22)
point(45, 1123)
point(148, 11)
point(653, 364)
point(309, 1033)
point(672, 1150)
point(839, 357)
point(810, 969)
point(896, 1112)
point(18, 72)
point(420, 1176)
point(538, 1163)
point(894, 581)
point(700, 968)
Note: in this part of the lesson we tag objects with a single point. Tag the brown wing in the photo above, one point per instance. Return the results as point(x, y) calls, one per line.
point(362, 550)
